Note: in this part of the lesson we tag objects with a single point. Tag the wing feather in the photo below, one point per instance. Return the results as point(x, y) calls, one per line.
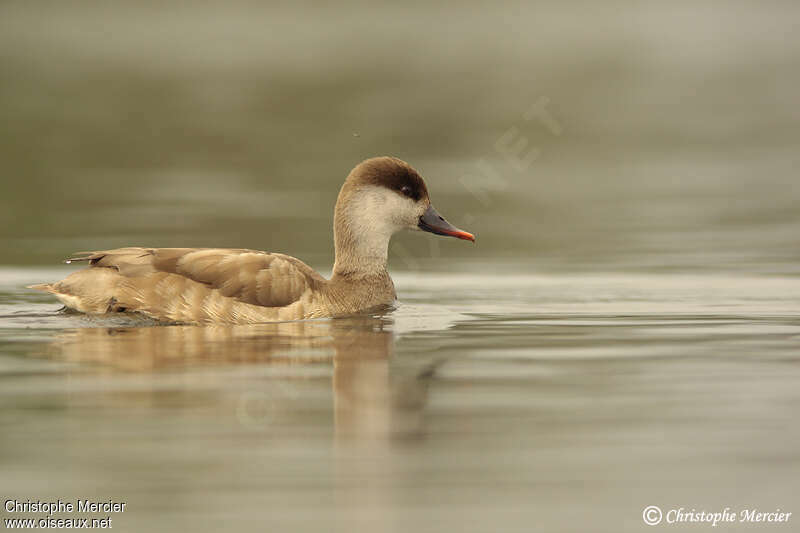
point(249, 276)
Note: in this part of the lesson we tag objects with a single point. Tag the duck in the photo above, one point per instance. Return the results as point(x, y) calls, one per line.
point(380, 197)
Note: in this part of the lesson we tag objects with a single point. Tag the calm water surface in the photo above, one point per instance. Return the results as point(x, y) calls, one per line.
point(539, 402)
point(624, 333)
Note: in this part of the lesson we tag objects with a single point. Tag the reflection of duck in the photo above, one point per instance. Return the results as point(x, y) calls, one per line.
point(372, 398)
point(380, 197)
point(303, 342)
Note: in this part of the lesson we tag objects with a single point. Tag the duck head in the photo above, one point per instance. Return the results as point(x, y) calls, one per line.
point(380, 197)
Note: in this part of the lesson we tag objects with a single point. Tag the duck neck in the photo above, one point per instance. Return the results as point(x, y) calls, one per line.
point(361, 246)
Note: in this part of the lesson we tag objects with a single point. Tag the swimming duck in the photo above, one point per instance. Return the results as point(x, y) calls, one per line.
point(380, 197)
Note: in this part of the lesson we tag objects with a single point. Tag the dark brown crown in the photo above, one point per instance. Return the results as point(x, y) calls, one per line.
point(392, 173)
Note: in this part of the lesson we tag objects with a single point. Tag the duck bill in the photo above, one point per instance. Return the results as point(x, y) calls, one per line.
point(434, 223)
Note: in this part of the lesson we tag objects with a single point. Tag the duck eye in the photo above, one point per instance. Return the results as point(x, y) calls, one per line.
point(406, 190)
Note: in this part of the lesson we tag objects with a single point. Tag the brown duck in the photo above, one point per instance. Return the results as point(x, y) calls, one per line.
point(380, 197)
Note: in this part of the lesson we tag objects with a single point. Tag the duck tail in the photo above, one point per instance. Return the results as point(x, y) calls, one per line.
point(46, 287)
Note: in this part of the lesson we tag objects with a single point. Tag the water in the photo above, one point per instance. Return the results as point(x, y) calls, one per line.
point(566, 401)
point(624, 333)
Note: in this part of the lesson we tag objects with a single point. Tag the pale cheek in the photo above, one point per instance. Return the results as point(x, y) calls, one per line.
point(384, 210)
point(397, 210)
point(416, 211)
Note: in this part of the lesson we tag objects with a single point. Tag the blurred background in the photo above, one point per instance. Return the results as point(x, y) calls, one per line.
point(670, 141)
point(623, 334)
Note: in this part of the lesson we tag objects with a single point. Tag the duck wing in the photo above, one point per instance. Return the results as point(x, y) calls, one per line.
point(247, 276)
